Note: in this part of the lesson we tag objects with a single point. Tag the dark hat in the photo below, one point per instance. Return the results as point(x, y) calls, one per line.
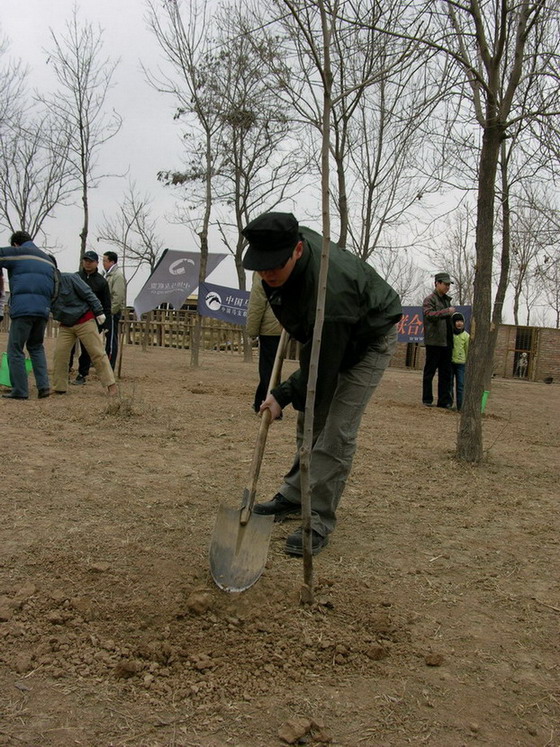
point(272, 238)
point(91, 255)
point(443, 277)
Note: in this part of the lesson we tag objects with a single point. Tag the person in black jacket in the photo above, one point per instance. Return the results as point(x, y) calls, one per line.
point(100, 287)
point(358, 339)
point(438, 341)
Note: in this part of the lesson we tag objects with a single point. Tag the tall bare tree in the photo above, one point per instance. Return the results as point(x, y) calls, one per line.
point(399, 270)
point(35, 176)
point(192, 65)
point(373, 140)
point(388, 171)
point(134, 232)
point(549, 276)
point(530, 239)
point(306, 18)
point(457, 253)
point(84, 77)
point(12, 85)
point(261, 166)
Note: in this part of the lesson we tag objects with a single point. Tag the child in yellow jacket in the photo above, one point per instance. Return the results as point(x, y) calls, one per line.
point(459, 357)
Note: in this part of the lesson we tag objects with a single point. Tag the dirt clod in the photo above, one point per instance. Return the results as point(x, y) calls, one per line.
point(294, 730)
point(434, 660)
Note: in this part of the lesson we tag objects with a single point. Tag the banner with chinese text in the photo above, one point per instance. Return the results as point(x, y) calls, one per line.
point(174, 279)
point(226, 304)
point(411, 326)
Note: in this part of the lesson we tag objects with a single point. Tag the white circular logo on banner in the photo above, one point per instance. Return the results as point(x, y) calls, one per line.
point(213, 301)
point(177, 268)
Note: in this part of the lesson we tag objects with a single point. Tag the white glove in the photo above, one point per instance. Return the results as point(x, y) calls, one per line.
point(101, 319)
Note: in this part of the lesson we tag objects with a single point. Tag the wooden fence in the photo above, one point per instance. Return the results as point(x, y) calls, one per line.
point(174, 329)
point(169, 329)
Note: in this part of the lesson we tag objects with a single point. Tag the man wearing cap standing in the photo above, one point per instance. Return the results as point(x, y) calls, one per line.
point(359, 336)
point(117, 288)
point(438, 340)
point(96, 282)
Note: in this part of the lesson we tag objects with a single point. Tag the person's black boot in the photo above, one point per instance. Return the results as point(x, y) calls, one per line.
point(294, 542)
point(279, 507)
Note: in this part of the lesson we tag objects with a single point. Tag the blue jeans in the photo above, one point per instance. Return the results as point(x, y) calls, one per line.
point(27, 331)
point(458, 379)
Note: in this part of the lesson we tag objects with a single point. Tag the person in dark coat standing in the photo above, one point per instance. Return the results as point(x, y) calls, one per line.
point(100, 288)
point(117, 289)
point(32, 286)
point(438, 340)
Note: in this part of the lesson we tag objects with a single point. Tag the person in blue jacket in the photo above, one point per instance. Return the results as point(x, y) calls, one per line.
point(32, 286)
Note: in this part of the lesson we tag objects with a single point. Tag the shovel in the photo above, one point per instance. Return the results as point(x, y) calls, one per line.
point(240, 540)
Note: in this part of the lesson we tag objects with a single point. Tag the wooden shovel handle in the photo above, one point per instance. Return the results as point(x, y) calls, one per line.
point(251, 490)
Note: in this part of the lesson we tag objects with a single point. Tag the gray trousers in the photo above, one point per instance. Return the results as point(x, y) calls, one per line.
point(334, 436)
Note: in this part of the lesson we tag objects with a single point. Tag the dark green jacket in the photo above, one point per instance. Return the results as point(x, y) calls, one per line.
point(437, 320)
point(359, 308)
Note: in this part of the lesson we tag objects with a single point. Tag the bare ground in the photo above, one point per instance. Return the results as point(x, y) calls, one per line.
point(437, 602)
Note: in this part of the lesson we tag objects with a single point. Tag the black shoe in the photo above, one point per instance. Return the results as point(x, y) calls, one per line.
point(11, 395)
point(294, 543)
point(42, 393)
point(278, 506)
point(445, 407)
point(79, 380)
point(57, 391)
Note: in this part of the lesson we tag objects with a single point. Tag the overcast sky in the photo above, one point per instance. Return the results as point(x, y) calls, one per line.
point(149, 139)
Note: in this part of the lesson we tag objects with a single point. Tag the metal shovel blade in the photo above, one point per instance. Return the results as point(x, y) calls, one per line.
point(238, 552)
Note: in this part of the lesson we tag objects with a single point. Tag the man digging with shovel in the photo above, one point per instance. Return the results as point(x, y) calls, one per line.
point(358, 339)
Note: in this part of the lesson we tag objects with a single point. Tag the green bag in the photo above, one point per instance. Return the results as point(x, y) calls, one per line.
point(5, 371)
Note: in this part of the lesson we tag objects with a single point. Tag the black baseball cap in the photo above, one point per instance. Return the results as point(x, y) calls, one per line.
point(91, 255)
point(272, 238)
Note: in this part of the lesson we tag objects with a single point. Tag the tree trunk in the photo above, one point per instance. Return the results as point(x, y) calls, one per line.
point(197, 328)
point(342, 204)
point(497, 312)
point(85, 224)
point(307, 445)
point(469, 443)
point(203, 235)
point(516, 309)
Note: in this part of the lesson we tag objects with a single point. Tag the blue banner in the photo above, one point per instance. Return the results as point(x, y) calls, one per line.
point(226, 304)
point(411, 326)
